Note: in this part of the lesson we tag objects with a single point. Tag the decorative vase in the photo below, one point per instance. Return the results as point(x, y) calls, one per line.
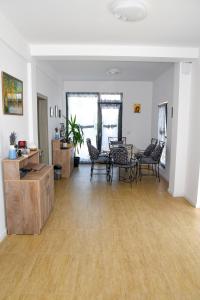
point(12, 152)
point(57, 136)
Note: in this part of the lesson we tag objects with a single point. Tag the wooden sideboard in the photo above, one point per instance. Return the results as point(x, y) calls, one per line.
point(29, 200)
point(63, 157)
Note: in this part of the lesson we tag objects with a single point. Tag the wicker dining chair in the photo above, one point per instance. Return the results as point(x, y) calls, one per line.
point(98, 159)
point(120, 158)
point(149, 149)
point(152, 162)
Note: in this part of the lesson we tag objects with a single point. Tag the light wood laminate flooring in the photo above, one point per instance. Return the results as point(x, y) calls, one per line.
point(107, 242)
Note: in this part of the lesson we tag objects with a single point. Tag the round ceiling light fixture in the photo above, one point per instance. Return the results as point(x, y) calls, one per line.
point(113, 71)
point(129, 10)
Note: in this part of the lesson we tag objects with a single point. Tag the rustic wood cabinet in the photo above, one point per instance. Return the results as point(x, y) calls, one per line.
point(63, 157)
point(29, 200)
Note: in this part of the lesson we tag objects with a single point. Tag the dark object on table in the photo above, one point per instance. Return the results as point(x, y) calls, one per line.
point(22, 145)
point(24, 171)
point(19, 153)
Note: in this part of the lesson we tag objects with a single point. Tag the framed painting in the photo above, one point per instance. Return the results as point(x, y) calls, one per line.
point(137, 108)
point(12, 95)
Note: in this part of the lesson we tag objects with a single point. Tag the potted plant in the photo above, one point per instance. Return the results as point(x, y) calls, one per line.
point(76, 133)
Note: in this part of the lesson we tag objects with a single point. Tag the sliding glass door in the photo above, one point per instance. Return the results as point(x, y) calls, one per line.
point(110, 119)
point(100, 116)
point(109, 127)
point(84, 106)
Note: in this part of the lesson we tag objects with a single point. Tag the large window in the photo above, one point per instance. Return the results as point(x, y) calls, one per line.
point(162, 130)
point(100, 116)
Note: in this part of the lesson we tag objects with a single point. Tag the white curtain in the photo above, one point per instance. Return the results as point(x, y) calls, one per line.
point(110, 117)
point(162, 129)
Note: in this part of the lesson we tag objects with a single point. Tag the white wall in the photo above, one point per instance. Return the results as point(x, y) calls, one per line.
point(13, 39)
point(163, 89)
point(14, 59)
point(192, 185)
point(49, 84)
point(180, 129)
point(44, 82)
point(15, 65)
point(136, 127)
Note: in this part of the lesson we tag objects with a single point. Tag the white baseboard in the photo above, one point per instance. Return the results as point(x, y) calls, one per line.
point(3, 234)
point(181, 196)
point(170, 192)
point(175, 195)
point(190, 201)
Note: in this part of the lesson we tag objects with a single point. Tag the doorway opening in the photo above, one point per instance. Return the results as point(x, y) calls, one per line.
point(43, 139)
point(99, 115)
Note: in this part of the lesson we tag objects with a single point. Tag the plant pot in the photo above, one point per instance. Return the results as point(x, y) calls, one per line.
point(76, 161)
point(64, 145)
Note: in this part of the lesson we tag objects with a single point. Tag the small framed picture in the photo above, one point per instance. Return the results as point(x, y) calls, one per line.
point(56, 111)
point(137, 108)
point(51, 111)
point(59, 113)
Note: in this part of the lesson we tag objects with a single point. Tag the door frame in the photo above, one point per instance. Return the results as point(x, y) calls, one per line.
point(43, 98)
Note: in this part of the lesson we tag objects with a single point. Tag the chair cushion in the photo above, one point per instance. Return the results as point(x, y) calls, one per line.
point(102, 160)
point(157, 152)
point(119, 156)
point(94, 152)
point(147, 161)
point(148, 151)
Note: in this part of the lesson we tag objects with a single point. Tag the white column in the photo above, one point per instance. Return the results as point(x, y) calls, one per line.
point(180, 129)
point(32, 103)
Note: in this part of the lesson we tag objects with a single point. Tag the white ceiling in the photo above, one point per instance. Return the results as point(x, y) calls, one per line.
point(97, 70)
point(169, 22)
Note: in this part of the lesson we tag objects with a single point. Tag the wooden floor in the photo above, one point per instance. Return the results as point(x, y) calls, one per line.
point(106, 242)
